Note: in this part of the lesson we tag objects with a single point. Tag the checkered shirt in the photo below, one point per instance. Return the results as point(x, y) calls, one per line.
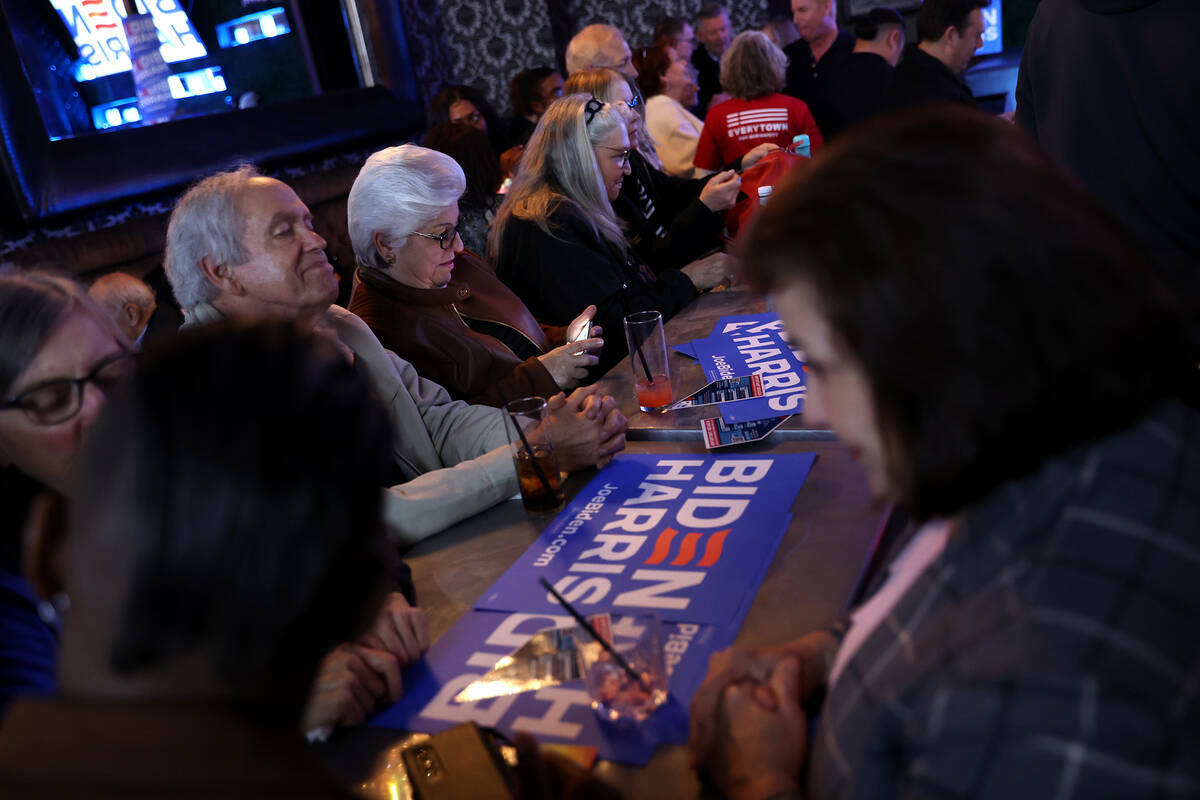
point(1051, 651)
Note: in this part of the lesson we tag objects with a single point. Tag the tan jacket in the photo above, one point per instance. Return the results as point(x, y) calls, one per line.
point(454, 456)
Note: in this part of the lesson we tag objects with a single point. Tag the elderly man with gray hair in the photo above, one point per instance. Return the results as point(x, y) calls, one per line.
point(597, 47)
point(129, 301)
point(241, 245)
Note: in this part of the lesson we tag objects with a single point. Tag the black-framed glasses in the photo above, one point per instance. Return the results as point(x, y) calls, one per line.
point(590, 111)
point(445, 238)
point(57, 400)
point(624, 152)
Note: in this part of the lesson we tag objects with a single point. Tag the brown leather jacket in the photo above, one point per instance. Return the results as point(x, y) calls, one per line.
point(426, 327)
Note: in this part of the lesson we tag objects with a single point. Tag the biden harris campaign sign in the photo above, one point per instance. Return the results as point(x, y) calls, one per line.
point(682, 536)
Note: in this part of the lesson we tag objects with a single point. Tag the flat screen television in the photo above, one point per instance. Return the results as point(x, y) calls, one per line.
point(222, 55)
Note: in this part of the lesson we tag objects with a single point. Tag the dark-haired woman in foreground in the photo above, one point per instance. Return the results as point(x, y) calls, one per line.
point(996, 353)
point(212, 557)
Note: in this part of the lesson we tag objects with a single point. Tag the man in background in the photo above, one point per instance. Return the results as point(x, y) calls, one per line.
point(531, 92)
point(819, 49)
point(599, 46)
point(127, 300)
point(858, 86)
point(948, 34)
point(715, 32)
point(677, 34)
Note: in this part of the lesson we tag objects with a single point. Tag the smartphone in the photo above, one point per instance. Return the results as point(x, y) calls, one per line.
point(584, 333)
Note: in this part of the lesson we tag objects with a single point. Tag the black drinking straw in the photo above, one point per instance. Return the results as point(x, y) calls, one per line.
point(537, 469)
point(587, 626)
point(637, 346)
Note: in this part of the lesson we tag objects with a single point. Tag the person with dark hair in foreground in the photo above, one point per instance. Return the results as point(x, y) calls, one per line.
point(1020, 383)
point(211, 558)
point(931, 71)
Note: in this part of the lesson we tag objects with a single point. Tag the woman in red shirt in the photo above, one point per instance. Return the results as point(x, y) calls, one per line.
point(752, 71)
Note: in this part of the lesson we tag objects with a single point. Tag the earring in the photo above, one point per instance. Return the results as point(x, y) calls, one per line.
point(53, 610)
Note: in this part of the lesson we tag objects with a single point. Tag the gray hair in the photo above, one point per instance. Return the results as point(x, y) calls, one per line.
point(587, 49)
point(206, 223)
point(752, 66)
point(558, 168)
point(114, 290)
point(397, 191)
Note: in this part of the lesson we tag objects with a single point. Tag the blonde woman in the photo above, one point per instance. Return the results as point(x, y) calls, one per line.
point(671, 221)
point(558, 243)
point(752, 72)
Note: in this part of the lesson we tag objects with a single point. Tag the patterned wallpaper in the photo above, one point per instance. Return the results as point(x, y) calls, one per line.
point(489, 41)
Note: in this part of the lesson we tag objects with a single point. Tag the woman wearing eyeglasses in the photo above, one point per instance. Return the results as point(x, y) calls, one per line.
point(59, 354)
point(441, 307)
point(671, 221)
point(558, 243)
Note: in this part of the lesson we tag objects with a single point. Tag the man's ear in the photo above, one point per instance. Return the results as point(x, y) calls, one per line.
point(220, 276)
point(44, 535)
point(132, 314)
point(950, 36)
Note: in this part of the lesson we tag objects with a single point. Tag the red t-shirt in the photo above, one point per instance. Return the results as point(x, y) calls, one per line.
point(736, 127)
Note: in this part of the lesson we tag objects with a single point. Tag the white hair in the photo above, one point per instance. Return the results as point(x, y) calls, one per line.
point(398, 190)
point(587, 49)
point(206, 223)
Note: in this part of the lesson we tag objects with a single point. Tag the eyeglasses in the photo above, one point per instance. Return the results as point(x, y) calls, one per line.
point(590, 111)
point(445, 238)
point(624, 152)
point(58, 400)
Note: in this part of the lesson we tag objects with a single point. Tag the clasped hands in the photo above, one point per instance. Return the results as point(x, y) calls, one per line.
point(748, 729)
point(357, 676)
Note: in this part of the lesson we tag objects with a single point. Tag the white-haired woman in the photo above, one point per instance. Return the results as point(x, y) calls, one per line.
point(752, 72)
point(441, 307)
point(556, 240)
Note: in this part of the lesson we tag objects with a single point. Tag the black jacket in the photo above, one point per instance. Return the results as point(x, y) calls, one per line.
point(1111, 90)
point(855, 89)
point(679, 228)
point(559, 274)
point(922, 79)
point(708, 77)
point(803, 72)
